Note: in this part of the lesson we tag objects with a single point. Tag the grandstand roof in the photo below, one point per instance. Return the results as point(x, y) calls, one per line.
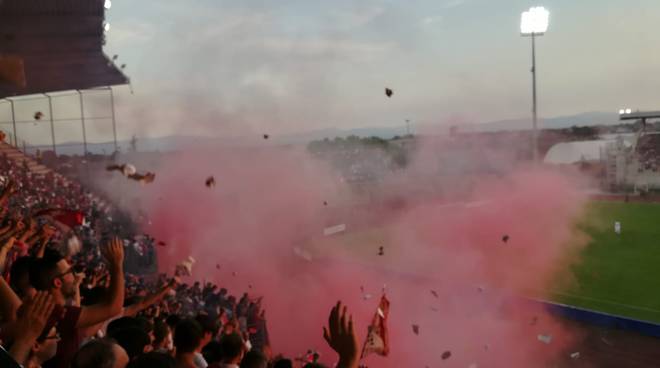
point(573, 152)
point(60, 44)
point(640, 115)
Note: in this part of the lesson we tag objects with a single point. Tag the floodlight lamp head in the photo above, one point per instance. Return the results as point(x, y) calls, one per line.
point(535, 21)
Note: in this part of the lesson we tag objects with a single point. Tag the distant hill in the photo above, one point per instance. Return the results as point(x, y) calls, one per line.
point(173, 143)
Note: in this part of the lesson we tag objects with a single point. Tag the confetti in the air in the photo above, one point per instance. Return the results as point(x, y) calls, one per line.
point(505, 238)
point(266, 136)
point(547, 339)
point(415, 329)
point(388, 92)
point(210, 182)
point(435, 293)
point(381, 251)
point(446, 355)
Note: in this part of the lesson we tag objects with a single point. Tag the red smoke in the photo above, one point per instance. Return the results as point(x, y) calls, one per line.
point(268, 201)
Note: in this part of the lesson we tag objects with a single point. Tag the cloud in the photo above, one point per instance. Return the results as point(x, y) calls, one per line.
point(432, 20)
point(131, 33)
point(454, 3)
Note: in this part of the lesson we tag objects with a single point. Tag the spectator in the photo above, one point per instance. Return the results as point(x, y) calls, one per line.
point(283, 363)
point(102, 353)
point(20, 277)
point(233, 349)
point(153, 360)
point(210, 330)
point(213, 353)
point(254, 359)
point(134, 341)
point(31, 347)
point(162, 338)
point(54, 274)
point(188, 337)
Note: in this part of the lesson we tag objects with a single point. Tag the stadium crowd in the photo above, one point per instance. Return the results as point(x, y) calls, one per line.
point(68, 299)
point(648, 148)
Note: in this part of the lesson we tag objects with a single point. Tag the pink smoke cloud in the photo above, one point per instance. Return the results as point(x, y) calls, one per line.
point(268, 201)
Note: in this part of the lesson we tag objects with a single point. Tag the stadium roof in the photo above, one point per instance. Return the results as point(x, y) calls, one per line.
point(573, 152)
point(637, 115)
point(59, 44)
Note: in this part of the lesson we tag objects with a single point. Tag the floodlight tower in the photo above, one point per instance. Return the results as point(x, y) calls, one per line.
point(533, 23)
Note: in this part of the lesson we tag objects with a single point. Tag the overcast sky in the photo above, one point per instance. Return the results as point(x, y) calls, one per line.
point(224, 67)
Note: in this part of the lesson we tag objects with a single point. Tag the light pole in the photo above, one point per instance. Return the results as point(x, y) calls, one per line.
point(533, 23)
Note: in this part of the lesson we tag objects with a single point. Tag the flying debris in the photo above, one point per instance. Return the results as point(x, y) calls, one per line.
point(505, 239)
point(547, 339)
point(446, 355)
point(210, 182)
point(334, 229)
point(184, 268)
point(415, 329)
point(381, 251)
point(38, 115)
point(435, 293)
point(388, 92)
point(266, 136)
point(125, 169)
point(325, 203)
point(575, 355)
point(162, 243)
point(146, 178)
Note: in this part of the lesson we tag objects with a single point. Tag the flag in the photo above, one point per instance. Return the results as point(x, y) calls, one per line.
point(69, 218)
point(377, 337)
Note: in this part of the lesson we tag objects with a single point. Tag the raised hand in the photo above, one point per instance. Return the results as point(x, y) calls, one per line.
point(341, 337)
point(113, 252)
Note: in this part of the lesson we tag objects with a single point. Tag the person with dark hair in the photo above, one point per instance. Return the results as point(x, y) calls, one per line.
point(133, 339)
point(283, 363)
point(254, 359)
point(162, 337)
point(210, 329)
point(153, 360)
point(172, 320)
point(102, 353)
point(187, 340)
point(213, 353)
point(53, 273)
point(121, 324)
point(233, 349)
point(19, 277)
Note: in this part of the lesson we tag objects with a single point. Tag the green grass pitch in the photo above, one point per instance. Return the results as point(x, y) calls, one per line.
point(618, 274)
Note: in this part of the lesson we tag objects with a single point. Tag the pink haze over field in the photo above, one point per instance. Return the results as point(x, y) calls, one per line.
point(268, 201)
